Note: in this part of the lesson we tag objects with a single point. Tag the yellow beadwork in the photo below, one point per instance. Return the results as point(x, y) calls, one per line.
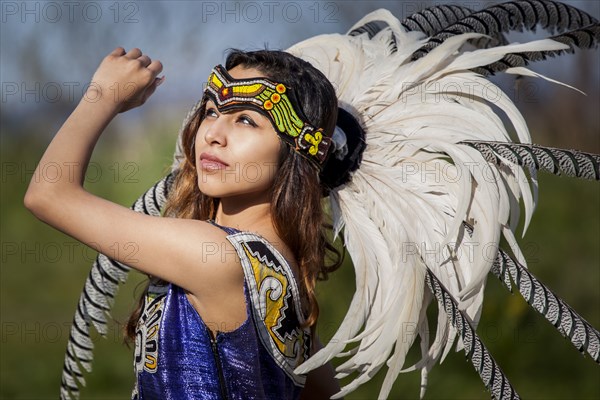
point(278, 104)
point(215, 80)
point(314, 140)
point(248, 90)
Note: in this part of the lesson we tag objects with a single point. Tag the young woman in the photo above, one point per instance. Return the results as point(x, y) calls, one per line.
point(422, 176)
point(236, 321)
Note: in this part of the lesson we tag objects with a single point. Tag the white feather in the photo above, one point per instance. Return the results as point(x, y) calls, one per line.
point(404, 209)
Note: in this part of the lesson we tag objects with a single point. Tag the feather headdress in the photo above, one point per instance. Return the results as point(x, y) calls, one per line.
point(440, 183)
point(441, 180)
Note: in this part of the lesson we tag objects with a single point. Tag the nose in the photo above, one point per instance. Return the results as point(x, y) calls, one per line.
point(216, 132)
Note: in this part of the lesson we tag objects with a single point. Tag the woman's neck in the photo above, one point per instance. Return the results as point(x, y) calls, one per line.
point(253, 217)
point(250, 215)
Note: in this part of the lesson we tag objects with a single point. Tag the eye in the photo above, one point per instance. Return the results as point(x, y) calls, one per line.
point(246, 120)
point(211, 112)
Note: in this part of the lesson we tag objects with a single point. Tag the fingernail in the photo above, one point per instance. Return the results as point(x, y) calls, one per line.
point(160, 81)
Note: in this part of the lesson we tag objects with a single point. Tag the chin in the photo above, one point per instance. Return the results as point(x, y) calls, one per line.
point(212, 189)
point(213, 185)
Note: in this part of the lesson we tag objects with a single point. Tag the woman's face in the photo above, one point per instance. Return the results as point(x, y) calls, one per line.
point(237, 152)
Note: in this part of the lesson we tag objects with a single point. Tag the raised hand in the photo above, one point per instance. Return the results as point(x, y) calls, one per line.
point(124, 80)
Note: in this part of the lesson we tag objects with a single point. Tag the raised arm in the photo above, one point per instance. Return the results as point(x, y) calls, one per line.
point(121, 82)
point(176, 250)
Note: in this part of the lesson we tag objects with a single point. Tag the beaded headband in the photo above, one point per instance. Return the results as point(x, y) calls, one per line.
point(274, 100)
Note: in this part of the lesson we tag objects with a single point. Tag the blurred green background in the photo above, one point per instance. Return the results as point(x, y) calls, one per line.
point(42, 271)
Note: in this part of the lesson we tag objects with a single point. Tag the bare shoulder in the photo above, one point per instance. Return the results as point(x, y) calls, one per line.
point(205, 264)
point(208, 261)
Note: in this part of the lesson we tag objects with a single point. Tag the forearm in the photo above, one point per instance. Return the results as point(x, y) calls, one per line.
point(72, 146)
point(70, 151)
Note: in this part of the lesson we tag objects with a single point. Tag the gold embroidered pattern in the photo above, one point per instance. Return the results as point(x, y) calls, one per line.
point(275, 302)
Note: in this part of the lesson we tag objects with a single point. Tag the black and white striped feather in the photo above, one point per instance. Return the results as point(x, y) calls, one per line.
point(371, 28)
point(97, 298)
point(435, 19)
point(429, 21)
point(571, 163)
point(485, 365)
point(518, 15)
point(444, 21)
point(566, 320)
point(562, 316)
point(583, 38)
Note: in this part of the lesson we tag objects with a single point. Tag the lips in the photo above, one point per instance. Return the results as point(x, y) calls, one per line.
point(211, 162)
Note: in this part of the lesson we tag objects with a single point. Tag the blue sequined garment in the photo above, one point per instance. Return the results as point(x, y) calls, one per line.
point(177, 358)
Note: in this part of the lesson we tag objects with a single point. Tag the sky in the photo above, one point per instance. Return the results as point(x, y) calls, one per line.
point(49, 50)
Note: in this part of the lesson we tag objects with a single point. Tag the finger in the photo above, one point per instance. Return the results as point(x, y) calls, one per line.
point(157, 82)
point(134, 53)
point(145, 60)
point(119, 51)
point(156, 67)
point(148, 92)
point(151, 89)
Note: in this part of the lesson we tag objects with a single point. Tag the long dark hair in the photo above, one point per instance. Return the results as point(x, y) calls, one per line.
point(297, 193)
